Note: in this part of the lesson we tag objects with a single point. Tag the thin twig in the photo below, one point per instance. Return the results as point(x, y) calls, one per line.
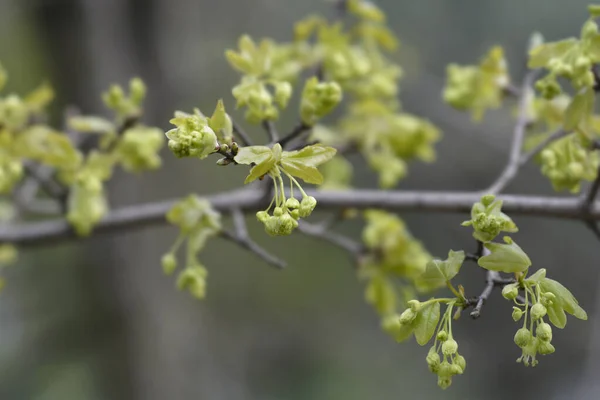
point(251, 246)
point(297, 131)
point(271, 131)
point(512, 167)
point(241, 134)
point(343, 242)
point(525, 158)
point(490, 282)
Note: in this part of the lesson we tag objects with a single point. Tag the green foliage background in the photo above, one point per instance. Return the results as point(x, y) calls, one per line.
point(100, 320)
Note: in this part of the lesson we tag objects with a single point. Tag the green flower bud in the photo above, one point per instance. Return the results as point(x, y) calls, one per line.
point(407, 317)
point(235, 148)
point(262, 216)
point(510, 292)
point(523, 337)
point(280, 226)
point(444, 383)
point(488, 199)
point(292, 203)
point(461, 362)
point(449, 347)
point(169, 263)
point(545, 348)
point(517, 314)
point(544, 332)
point(538, 311)
point(442, 336)
point(307, 205)
point(433, 360)
point(456, 369)
point(224, 147)
point(445, 370)
point(548, 298)
point(295, 214)
point(278, 212)
point(414, 305)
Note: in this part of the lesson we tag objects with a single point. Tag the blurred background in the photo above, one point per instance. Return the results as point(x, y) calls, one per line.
point(99, 320)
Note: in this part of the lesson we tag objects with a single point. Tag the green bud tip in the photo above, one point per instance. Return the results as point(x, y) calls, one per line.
point(407, 316)
point(277, 212)
point(262, 216)
point(414, 305)
point(488, 199)
point(449, 347)
point(545, 348)
point(442, 336)
point(461, 362)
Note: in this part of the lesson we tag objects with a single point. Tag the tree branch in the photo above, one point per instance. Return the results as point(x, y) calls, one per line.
point(345, 243)
point(241, 134)
point(525, 158)
point(242, 238)
point(297, 131)
point(511, 169)
point(271, 131)
point(252, 199)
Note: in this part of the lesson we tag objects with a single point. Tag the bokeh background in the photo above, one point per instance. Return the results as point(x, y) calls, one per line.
point(99, 320)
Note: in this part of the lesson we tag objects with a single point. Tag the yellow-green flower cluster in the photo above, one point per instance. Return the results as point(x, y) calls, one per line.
point(567, 162)
point(197, 222)
point(275, 162)
point(268, 69)
point(488, 220)
point(476, 88)
point(544, 298)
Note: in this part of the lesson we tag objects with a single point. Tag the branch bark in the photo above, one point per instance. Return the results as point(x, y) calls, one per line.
point(253, 199)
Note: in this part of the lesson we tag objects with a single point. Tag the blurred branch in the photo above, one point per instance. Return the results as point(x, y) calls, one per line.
point(241, 134)
point(242, 238)
point(297, 131)
point(513, 165)
point(345, 243)
point(271, 131)
point(252, 199)
point(525, 158)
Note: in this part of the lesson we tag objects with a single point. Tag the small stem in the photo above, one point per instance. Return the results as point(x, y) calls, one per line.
point(297, 131)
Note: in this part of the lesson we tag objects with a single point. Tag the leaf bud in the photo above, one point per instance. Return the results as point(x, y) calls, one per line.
point(224, 161)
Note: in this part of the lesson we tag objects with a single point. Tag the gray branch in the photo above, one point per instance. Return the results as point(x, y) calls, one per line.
point(253, 199)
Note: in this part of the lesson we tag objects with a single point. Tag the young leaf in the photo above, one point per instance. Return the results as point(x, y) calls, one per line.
point(557, 315)
point(305, 172)
point(540, 56)
point(580, 108)
point(564, 298)
point(426, 322)
point(507, 257)
point(313, 155)
point(261, 156)
point(539, 275)
point(381, 294)
point(438, 272)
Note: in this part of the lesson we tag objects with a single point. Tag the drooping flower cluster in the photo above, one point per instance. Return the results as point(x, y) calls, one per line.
point(275, 162)
point(197, 222)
